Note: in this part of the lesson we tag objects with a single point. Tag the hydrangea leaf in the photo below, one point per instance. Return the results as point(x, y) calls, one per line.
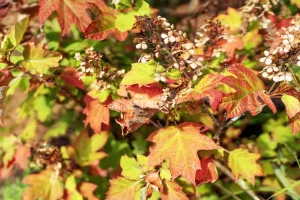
point(249, 96)
point(37, 59)
point(292, 105)
point(297, 2)
point(244, 163)
point(180, 144)
point(104, 24)
point(141, 74)
point(71, 76)
point(125, 21)
point(70, 186)
point(87, 189)
point(172, 191)
point(295, 123)
point(130, 168)
point(97, 115)
point(122, 188)
point(85, 150)
point(68, 12)
point(208, 173)
point(251, 39)
point(206, 88)
point(13, 39)
point(45, 185)
point(233, 19)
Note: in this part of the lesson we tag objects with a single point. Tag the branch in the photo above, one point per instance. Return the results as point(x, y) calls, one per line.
point(240, 181)
point(204, 106)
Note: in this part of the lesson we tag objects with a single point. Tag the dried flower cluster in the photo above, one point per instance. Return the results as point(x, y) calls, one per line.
point(92, 65)
point(160, 40)
point(257, 9)
point(285, 53)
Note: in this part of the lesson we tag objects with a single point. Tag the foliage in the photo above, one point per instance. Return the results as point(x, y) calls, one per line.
point(124, 105)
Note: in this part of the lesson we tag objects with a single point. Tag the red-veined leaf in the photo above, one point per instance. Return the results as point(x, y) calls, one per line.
point(70, 75)
point(180, 144)
point(249, 96)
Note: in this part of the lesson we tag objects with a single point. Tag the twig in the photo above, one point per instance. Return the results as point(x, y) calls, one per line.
point(272, 87)
point(155, 124)
point(204, 106)
point(240, 181)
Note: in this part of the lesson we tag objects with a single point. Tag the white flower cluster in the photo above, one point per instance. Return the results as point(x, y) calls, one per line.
point(91, 65)
point(282, 55)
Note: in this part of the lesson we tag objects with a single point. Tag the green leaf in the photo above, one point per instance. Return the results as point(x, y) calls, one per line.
point(244, 163)
point(37, 59)
point(123, 4)
point(292, 105)
point(131, 168)
point(84, 150)
point(125, 21)
point(122, 188)
point(174, 74)
point(13, 39)
point(140, 73)
point(71, 185)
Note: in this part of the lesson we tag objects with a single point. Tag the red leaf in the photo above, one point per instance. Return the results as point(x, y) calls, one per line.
point(70, 75)
point(68, 12)
point(104, 24)
point(97, 116)
point(249, 95)
point(208, 173)
point(4, 5)
point(180, 144)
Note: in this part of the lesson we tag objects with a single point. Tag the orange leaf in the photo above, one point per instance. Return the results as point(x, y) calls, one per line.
point(97, 116)
point(172, 191)
point(244, 163)
point(87, 189)
point(249, 95)
point(231, 45)
point(45, 185)
point(180, 144)
point(208, 173)
point(21, 156)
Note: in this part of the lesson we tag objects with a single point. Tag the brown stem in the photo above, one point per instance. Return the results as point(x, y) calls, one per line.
point(155, 124)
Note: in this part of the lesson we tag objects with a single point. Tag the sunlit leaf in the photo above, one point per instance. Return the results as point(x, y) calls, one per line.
point(172, 191)
point(122, 188)
point(104, 24)
point(46, 185)
point(249, 96)
point(141, 74)
point(244, 163)
point(292, 105)
point(180, 144)
point(233, 19)
point(85, 149)
point(37, 59)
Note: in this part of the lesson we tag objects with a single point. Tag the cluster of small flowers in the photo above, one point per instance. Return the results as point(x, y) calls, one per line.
point(256, 9)
point(284, 54)
point(92, 65)
point(159, 38)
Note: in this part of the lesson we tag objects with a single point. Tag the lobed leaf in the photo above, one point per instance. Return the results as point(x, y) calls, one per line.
point(172, 191)
point(45, 185)
point(208, 173)
point(249, 96)
point(180, 144)
point(244, 163)
point(85, 149)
